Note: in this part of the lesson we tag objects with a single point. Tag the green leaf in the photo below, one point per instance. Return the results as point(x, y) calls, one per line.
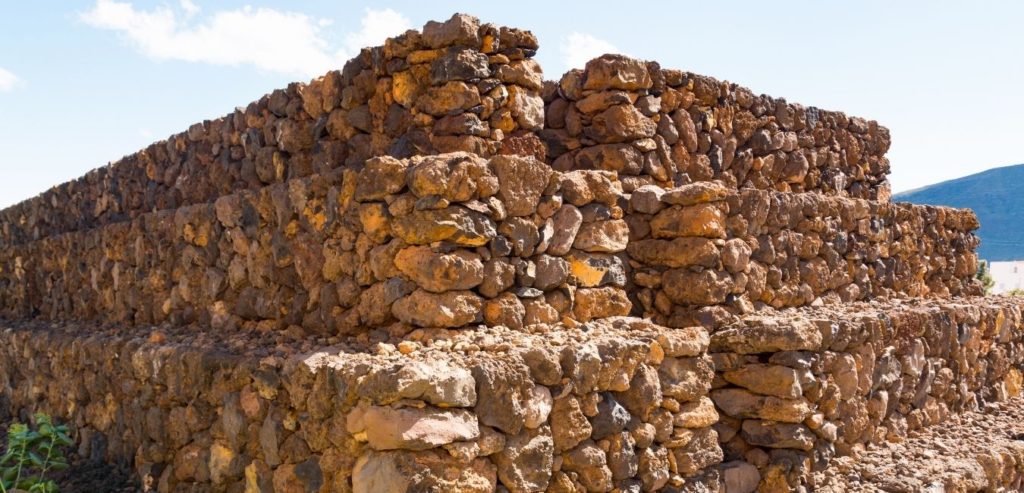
point(26, 483)
point(39, 450)
point(43, 487)
point(59, 466)
point(15, 434)
point(36, 459)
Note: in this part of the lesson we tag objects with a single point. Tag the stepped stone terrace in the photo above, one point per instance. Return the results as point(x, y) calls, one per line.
point(434, 270)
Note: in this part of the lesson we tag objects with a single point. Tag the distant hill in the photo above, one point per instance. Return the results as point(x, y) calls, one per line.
point(996, 195)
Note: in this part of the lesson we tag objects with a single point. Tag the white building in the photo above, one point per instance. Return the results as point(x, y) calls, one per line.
point(1007, 275)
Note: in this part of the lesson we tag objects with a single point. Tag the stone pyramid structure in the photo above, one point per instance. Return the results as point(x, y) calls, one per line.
point(433, 270)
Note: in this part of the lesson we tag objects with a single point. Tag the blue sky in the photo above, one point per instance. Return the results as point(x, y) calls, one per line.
point(85, 82)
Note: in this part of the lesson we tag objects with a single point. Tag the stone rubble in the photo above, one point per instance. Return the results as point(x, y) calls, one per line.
point(975, 451)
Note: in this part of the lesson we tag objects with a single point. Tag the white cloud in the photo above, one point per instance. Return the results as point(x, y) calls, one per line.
point(189, 8)
point(8, 81)
point(375, 27)
point(579, 48)
point(269, 39)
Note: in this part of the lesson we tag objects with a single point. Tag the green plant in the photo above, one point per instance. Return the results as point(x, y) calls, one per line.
point(32, 454)
point(1015, 292)
point(985, 276)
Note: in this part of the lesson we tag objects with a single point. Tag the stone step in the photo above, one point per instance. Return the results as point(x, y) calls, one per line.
point(455, 239)
point(617, 403)
point(465, 86)
point(704, 254)
point(268, 301)
point(437, 241)
point(654, 125)
point(799, 387)
point(773, 403)
point(454, 86)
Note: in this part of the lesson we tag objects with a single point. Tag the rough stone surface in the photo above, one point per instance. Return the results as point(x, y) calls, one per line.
point(341, 118)
point(435, 382)
point(440, 236)
point(415, 420)
point(788, 250)
point(603, 236)
point(524, 465)
point(386, 428)
point(451, 309)
point(692, 128)
point(522, 181)
point(703, 220)
point(440, 272)
point(417, 273)
point(974, 451)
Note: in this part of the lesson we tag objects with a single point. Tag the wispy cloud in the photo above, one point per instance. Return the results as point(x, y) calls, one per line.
point(579, 48)
point(8, 81)
point(269, 39)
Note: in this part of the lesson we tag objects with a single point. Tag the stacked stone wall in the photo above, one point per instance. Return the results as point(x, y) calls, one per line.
point(796, 388)
point(612, 403)
point(267, 302)
point(463, 86)
point(437, 241)
point(456, 239)
point(670, 127)
point(703, 253)
point(454, 86)
point(617, 404)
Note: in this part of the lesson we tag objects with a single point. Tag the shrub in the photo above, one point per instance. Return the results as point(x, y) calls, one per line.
point(32, 454)
point(984, 276)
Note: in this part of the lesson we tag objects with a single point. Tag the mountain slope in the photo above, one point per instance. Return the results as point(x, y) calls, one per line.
point(996, 195)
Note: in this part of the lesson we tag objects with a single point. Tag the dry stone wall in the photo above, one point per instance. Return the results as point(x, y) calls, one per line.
point(797, 388)
point(414, 274)
point(437, 241)
point(612, 403)
point(619, 403)
point(456, 239)
point(465, 86)
point(454, 86)
point(669, 127)
point(703, 253)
